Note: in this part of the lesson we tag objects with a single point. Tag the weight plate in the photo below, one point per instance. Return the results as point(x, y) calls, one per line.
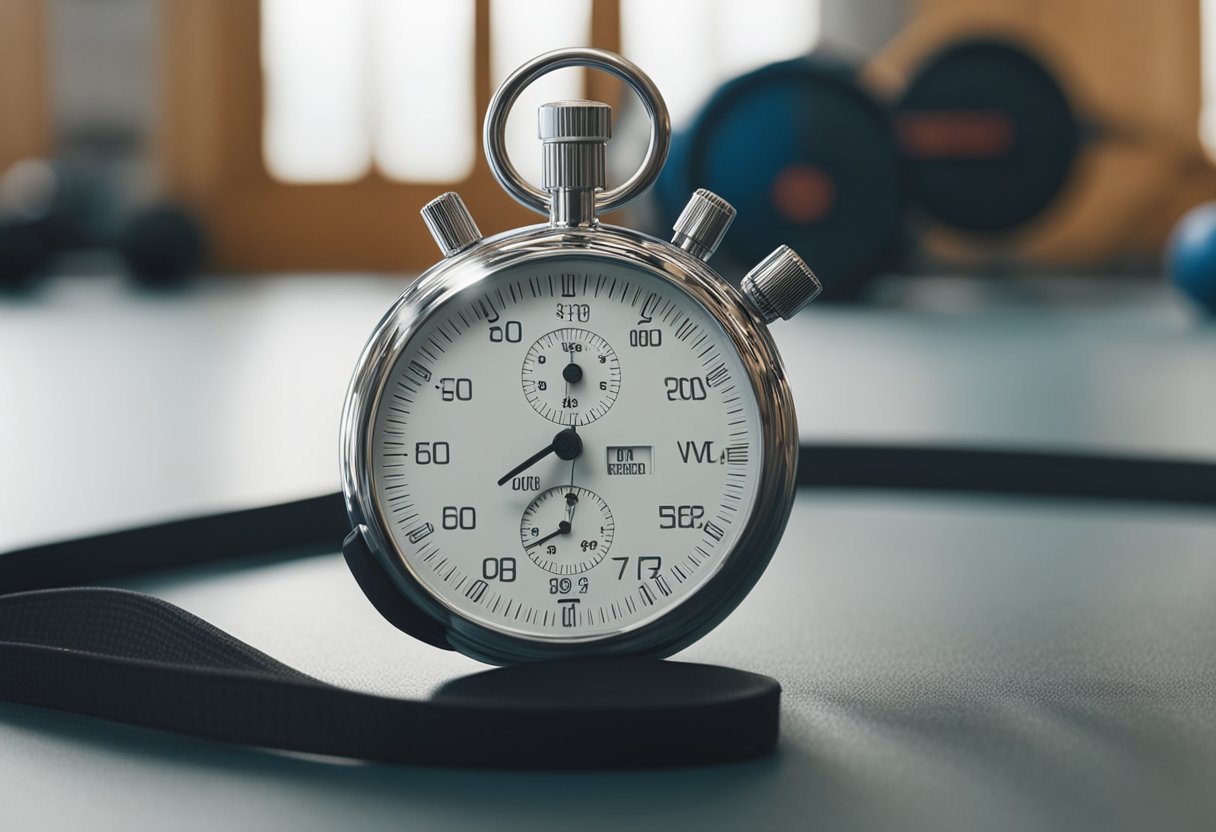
point(809, 159)
point(988, 136)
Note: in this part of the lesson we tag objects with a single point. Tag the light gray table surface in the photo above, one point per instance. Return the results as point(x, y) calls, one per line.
point(948, 662)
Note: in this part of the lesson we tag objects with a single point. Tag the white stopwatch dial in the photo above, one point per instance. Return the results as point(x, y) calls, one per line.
point(566, 450)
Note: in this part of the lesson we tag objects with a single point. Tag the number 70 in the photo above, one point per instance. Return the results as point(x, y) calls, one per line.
point(648, 566)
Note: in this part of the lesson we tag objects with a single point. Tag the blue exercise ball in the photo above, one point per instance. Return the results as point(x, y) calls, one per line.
point(1191, 255)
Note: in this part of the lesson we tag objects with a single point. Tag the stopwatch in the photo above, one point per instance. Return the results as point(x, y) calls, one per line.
point(572, 439)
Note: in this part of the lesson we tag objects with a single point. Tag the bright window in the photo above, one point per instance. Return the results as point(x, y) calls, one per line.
point(689, 47)
point(353, 85)
point(356, 83)
point(1207, 46)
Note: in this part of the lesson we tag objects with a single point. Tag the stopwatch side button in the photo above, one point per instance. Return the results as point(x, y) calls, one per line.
point(703, 223)
point(450, 223)
point(780, 285)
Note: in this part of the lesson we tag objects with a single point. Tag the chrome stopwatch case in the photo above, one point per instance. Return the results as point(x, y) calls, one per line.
point(572, 439)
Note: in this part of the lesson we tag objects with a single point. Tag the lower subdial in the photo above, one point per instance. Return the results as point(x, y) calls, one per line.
point(567, 530)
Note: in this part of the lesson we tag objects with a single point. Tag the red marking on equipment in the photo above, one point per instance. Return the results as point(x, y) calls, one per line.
point(803, 193)
point(955, 134)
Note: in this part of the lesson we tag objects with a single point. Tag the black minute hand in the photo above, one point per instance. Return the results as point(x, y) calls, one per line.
point(567, 445)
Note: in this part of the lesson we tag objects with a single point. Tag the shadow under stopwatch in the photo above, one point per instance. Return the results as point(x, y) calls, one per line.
point(614, 713)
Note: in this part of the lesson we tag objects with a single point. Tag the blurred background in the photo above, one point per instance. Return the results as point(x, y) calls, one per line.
point(918, 135)
point(206, 204)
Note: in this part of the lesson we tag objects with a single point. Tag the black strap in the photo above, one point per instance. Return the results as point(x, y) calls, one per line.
point(289, 530)
point(1087, 476)
point(132, 658)
point(136, 659)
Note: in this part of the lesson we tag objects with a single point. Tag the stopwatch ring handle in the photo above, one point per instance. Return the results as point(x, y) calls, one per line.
point(495, 130)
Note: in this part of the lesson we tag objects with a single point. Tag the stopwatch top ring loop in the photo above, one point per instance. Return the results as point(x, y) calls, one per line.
point(495, 131)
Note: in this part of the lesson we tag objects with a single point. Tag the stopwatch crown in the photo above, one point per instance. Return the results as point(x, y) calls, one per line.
point(575, 121)
point(574, 135)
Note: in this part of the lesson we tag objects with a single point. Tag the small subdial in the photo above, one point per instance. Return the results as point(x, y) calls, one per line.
point(571, 376)
point(567, 530)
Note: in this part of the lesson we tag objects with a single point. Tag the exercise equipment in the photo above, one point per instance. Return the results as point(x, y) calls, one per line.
point(1191, 256)
point(24, 251)
point(162, 245)
point(49, 207)
point(27, 232)
point(981, 139)
point(807, 156)
point(987, 136)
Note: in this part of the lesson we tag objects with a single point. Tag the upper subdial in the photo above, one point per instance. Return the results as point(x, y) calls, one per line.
point(571, 376)
point(567, 530)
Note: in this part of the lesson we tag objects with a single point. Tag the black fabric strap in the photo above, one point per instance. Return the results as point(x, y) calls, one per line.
point(1087, 476)
point(136, 659)
point(132, 658)
point(288, 530)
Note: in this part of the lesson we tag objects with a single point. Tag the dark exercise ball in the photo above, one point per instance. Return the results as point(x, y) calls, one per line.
point(162, 245)
point(24, 250)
